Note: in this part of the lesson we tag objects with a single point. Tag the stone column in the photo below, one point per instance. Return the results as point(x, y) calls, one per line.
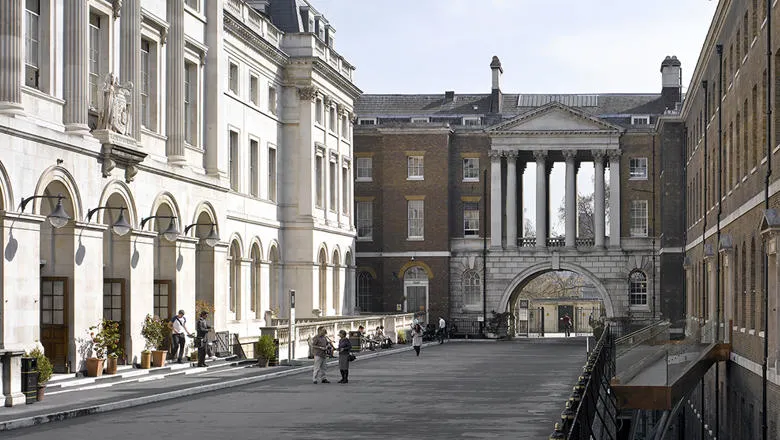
point(130, 60)
point(598, 199)
point(175, 83)
point(541, 196)
point(12, 59)
point(511, 199)
point(215, 128)
point(495, 198)
point(75, 72)
point(571, 198)
point(614, 199)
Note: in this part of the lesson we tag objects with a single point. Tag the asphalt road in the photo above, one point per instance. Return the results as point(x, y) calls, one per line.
point(474, 390)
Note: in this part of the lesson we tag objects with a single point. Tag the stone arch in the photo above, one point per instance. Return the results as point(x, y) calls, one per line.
point(323, 248)
point(274, 251)
point(369, 270)
point(166, 198)
point(411, 264)
point(59, 174)
point(120, 188)
point(255, 243)
point(6, 191)
point(205, 207)
point(235, 237)
point(530, 272)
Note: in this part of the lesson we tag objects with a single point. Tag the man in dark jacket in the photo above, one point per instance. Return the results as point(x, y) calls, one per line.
point(202, 329)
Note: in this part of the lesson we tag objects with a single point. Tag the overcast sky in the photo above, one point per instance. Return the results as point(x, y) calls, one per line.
point(545, 46)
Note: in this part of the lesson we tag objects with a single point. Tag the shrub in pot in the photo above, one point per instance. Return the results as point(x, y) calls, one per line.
point(265, 350)
point(153, 331)
point(45, 370)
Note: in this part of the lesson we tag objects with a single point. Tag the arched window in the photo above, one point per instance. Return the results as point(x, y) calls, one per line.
point(336, 283)
point(364, 291)
point(471, 288)
point(637, 288)
point(235, 277)
point(323, 262)
point(255, 305)
point(273, 288)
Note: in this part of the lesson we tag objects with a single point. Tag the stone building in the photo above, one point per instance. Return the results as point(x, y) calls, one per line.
point(168, 152)
point(439, 199)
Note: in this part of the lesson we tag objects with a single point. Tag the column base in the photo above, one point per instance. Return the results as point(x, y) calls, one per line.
point(82, 129)
point(14, 399)
point(177, 160)
point(11, 108)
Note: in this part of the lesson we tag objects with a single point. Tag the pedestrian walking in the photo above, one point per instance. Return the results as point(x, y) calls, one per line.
point(202, 329)
point(442, 329)
point(178, 335)
point(417, 337)
point(319, 346)
point(345, 350)
point(566, 324)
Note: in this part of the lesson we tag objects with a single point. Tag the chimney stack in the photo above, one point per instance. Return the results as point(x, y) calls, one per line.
point(495, 94)
point(671, 82)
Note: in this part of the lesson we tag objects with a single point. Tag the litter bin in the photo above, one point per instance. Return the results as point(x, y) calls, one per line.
point(275, 360)
point(30, 379)
point(354, 339)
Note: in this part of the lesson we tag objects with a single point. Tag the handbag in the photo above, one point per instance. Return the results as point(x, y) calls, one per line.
point(351, 357)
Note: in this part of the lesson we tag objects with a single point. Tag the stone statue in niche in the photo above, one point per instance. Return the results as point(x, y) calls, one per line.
point(115, 115)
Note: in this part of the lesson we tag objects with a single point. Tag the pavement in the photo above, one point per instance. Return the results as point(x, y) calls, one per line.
point(523, 383)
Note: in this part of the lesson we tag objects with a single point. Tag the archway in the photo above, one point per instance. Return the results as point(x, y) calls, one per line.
point(580, 296)
point(204, 259)
point(416, 290)
point(336, 300)
point(256, 289)
point(274, 284)
point(167, 261)
point(322, 261)
point(235, 279)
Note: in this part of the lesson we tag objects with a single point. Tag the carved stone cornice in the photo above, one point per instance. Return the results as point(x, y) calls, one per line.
point(308, 93)
point(119, 150)
point(253, 40)
point(334, 77)
point(540, 155)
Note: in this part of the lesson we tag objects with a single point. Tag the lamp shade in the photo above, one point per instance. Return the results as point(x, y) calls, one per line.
point(121, 226)
point(58, 218)
point(213, 237)
point(171, 233)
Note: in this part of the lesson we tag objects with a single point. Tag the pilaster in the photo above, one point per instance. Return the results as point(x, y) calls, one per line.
point(614, 199)
point(12, 59)
point(75, 74)
point(216, 160)
point(175, 83)
point(130, 61)
point(495, 198)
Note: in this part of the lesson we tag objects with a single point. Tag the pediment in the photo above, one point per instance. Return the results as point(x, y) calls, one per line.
point(555, 117)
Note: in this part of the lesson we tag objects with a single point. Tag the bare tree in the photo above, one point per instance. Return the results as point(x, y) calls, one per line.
point(585, 217)
point(557, 284)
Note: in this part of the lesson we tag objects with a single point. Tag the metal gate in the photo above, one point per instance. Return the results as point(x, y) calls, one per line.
point(522, 318)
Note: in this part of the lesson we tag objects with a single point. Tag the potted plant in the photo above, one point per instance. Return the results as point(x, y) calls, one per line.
point(95, 363)
point(497, 325)
point(153, 331)
point(45, 370)
point(265, 350)
point(106, 337)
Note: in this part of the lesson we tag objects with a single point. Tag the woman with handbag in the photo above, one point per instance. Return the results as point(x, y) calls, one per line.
point(345, 356)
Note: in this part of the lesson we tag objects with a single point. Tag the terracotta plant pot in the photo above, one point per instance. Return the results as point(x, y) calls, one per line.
point(146, 359)
point(94, 367)
point(111, 363)
point(262, 362)
point(41, 392)
point(158, 358)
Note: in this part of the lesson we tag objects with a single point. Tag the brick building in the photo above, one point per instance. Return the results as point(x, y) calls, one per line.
point(440, 208)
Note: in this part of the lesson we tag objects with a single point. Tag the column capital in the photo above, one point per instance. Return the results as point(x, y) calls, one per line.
point(569, 154)
point(540, 155)
point(511, 154)
point(495, 155)
point(327, 100)
point(308, 93)
point(614, 155)
point(598, 154)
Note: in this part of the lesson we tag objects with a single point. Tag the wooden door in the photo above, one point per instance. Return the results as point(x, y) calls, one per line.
point(565, 310)
point(54, 321)
point(164, 307)
point(114, 306)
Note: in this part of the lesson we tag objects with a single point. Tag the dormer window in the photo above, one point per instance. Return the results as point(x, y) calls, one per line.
point(420, 120)
point(472, 121)
point(366, 121)
point(640, 120)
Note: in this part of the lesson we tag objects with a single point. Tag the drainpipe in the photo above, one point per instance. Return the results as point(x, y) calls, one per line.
point(683, 160)
point(719, 49)
point(703, 238)
point(766, 206)
point(656, 285)
point(484, 252)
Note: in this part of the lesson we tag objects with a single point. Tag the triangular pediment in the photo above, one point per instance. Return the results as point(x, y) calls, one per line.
point(555, 117)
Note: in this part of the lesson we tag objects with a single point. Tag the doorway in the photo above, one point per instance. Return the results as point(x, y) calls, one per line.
point(54, 325)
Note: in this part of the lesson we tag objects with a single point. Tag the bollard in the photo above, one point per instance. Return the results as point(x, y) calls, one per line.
point(30, 379)
point(557, 433)
point(567, 416)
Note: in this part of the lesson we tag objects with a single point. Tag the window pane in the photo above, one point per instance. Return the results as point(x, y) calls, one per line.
point(415, 167)
point(272, 174)
point(471, 169)
point(365, 220)
point(470, 218)
point(415, 218)
point(364, 168)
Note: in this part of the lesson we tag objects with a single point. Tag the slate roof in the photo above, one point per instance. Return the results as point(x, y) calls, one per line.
point(599, 105)
point(285, 14)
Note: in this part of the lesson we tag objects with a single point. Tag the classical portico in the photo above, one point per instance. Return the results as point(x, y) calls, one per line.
point(549, 134)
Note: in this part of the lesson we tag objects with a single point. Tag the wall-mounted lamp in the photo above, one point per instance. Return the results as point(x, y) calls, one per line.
point(412, 258)
point(57, 218)
point(171, 233)
point(120, 226)
point(212, 239)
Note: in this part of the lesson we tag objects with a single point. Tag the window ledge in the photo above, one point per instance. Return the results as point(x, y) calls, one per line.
point(471, 180)
point(366, 239)
point(42, 95)
point(154, 134)
point(638, 178)
point(415, 178)
point(364, 179)
point(415, 239)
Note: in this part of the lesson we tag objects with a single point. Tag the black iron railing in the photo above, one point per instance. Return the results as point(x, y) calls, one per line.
point(591, 411)
point(465, 328)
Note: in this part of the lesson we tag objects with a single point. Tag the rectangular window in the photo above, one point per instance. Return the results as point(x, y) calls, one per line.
point(144, 89)
point(112, 299)
point(318, 171)
point(472, 121)
point(272, 100)
point(254, 89)
point(470, 219)
point(333, 205)
point(640, 120)
point(32, 39)
point(332, 119)
point(637, 168)
point(365, 220)
point(471, 169)
point(366, 121)
point(272, 174)
point(344, 127)
point(414, 168)
point(233, 160)
point(190, 103)
point(253, 152)
point(345, 190)
point(318, 111)
point(233, 78)
point(416, 219)
point(94, 58)
point(420, 120)
point(638, 215)
point(364, 169)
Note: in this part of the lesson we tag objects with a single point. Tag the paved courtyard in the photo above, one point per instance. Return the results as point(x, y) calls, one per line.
point(456, 390)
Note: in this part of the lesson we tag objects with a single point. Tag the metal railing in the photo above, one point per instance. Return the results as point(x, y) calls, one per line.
point(556, 242)
point(465, 328)
point(591, 411)
point(526, 241)
point(585, 242)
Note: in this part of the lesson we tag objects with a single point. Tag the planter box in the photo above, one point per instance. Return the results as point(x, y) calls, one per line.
point(146, 359)
point(158, 358)
point(94, 367)
point(111, 365)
